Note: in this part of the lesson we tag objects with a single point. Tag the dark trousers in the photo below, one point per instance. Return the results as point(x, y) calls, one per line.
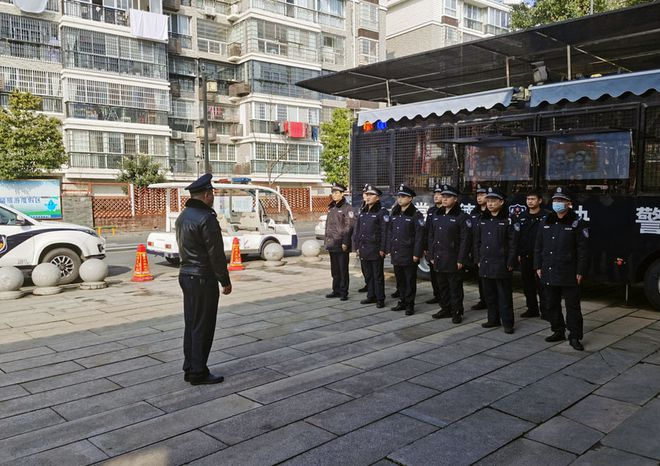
point(450, 286)
point(480, 282)
point(363, 274)
point(406, 283)
point(200, 307)
point(499, 299)
point(374, 276)
point(339, 271)
point(571, 295)
point(532, 286)
point(434, 282)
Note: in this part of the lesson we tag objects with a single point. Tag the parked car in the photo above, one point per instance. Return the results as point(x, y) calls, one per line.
point(26, 242)
point(319, 229)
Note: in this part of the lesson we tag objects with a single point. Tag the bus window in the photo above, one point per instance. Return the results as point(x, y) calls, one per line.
point(501, 163)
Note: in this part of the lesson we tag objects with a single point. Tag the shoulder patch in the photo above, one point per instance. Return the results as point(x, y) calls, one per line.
point(351, 213)
point(585, 232)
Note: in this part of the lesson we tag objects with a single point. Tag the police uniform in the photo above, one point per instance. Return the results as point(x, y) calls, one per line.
point(406, 240)
point(534, 292)
point(495, 247)
point(474, 216)
point(449, 242)
point(429, 214)
point(369, 240)
point(562, 253)
point(338, 230)
point(203, 265)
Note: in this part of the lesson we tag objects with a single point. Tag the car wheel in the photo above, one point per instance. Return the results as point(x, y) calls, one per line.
point(67, 261)
point(652, 284)
point(173, 260)
point(263, 247)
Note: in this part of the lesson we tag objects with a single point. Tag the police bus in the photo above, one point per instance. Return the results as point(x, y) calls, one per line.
point(575, 104)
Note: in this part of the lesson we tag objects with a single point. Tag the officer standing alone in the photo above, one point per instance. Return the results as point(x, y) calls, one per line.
point(561, 259)
point(369, 240)
point(405, 246)
point(449, 244)
point(203, 265)
point(338, 229)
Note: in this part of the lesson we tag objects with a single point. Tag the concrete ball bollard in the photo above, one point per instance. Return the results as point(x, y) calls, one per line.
point(93, 273)
point(11, 279)
point(46, 278)
point(274, 252)
point(311, 250)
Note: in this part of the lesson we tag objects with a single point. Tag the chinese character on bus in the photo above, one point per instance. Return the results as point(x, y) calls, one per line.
point(649, 220)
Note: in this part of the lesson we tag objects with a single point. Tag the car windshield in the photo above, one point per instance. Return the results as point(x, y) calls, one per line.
point(7, 217)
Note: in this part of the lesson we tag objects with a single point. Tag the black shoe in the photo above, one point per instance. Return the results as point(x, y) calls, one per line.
point(490, 324)
point(457, 319)
point(433, 300)
point(396, 294)
point(441, 314)
point(343, 298)
point(410, 311)
point(529, 313)
point(207, 380)
point(575, 343)
point(186, 377)
point(479, 306)
point(367, 301)
point(332, 295)
point(557, 336)
point(399, 307)
point(380, 304)
point(364, 289)
point(508, 330)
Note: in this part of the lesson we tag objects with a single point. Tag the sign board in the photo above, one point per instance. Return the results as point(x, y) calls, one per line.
point(40, 199)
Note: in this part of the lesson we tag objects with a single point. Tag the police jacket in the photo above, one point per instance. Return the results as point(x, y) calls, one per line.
point(449, 238)
point(529, 228)
point(201, 249)
point(339, 225)
point(562, 249)
point(495, 244)
point(475, 215)
point(370, 235)
point(406, 235)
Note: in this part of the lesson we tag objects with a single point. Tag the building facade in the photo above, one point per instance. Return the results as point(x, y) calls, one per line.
point(128, 77)
point(414, 26)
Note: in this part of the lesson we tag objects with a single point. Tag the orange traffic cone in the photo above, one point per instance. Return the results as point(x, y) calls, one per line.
point(236, 261)
point(141, 271)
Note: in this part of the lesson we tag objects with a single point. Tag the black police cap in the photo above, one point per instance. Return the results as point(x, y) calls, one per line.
point(203, 183)
point(481, 189)
point(562, 193)
point(446, 189)
point(495, 193)
point(370, 189)
point(338, 187)
point(405, 191)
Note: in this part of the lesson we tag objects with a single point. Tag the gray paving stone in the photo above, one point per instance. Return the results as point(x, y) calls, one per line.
point(79, 453)
point(34, 420)
point(7, 356)
point(653, 359)
point(335, 340)
point(637, 385)
point(172, 424)
point(459, 372)
point(533, 368)
point(365, 445)
point(323, 358)
point(175, 354)
point(625, 325)
point(21, 377)
point(171, 452)
point(600, 413)
point(377, 405)
point(271, 448)
point(543, 399)
point(605, 456)
point(53, 358)
point(459, 402)
point(519, 349)
point(603, 365)
point(524, 452)
point(566, 434)
point(389, 355)
point(641, 343)
point(261, 346)
point(12, 391)
point(636, 434)
point(62, 434)
point(273, 416)
point(280, 389)
point(463, 442)
point(457, 351)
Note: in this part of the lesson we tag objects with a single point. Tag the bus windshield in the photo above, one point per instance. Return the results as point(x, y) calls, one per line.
point(497, 161)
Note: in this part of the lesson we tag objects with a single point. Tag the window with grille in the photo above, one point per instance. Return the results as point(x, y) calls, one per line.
point(473, 17)
point(116, 143)
point(271, 78)
point(86, 91)
point(367, 50)
point(222, 153)
point(450, 8)
point(369, 16)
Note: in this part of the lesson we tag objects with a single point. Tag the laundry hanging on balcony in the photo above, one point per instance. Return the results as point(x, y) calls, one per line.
point(31, 6)
point(148, 25)
point(297, 130)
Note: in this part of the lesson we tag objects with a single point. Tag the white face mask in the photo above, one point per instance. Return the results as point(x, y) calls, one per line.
point(559, 207)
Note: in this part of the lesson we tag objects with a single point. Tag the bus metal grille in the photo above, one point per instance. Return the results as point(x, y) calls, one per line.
point(651, 167)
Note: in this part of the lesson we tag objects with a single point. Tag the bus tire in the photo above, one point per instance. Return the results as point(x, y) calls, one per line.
point(652, 284)
point(424, 269)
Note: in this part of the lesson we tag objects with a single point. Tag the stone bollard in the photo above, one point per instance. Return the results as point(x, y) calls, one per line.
point(274, 252)
point(93, 273)
point(311, 250)
point(46, 277)
point(11, 279)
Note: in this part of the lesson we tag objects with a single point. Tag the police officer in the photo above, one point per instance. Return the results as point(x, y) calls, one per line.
point(476, 213)
point(437, 204)
point(529, 221)
point(561, 259)
point(405, 246)
point(203, 265)
point(496, 241)
point(338, 230)
point(365, 288)
point(369, 240)
point(449, 241)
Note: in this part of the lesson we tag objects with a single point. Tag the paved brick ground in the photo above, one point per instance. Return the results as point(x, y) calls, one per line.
point(88, 377)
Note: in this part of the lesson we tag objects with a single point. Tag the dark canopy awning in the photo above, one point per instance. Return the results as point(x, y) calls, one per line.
point(619, 41)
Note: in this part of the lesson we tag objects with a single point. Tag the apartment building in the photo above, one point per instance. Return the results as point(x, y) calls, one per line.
point(131, 77)
point(414, 26)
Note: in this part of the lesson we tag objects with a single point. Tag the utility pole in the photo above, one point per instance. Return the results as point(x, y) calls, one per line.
point(203, 78)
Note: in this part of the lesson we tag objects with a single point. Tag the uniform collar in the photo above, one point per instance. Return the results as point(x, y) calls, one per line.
point(197, 204)
point(374, 208)
point(500, 215)
point(454, 211)
point(339, 203)
point(410, 211)
point(569, 218)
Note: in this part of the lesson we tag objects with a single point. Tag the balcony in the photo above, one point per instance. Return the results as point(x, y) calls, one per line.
point(473, 24)
point(289, 50)
point(332, 56)
point(98, 13)
point(30, 51)
point(220, 113)
point(285, 168)
point(111, 113)
point(495, 30)
point(178, 42)
point(49, 104)
point(212, 46)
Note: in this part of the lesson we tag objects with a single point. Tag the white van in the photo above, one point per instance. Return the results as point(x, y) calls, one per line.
point(256, 215)
point(26, 242)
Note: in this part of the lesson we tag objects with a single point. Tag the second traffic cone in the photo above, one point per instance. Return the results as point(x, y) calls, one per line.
point(236, 261)
point(141, 271)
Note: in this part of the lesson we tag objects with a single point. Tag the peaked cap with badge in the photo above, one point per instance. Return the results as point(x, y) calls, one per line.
point(562, 193)
point(405, 191)
point(495, 193)
point(446, 189)
point(338, 187)
point(370, 189)
point(203, 183)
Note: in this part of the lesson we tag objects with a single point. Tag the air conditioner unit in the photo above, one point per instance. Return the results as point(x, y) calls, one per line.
point(211, 86)
point(174, 46)
point(235, 50)
point(209, 11)
point(174, 5)
point(175, 88)
point(176, 135)
point(239, 89)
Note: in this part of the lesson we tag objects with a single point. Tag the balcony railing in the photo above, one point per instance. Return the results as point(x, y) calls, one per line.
point(110, 113)
point(184, 40)
point(333, 21)
point(473, 24)
point(106, 161)
point(77, 59)
point(286, 168)
point(212, 46)
point(40, 52)
point(332, 56)
point(289, 50)
point(98, 13)
point(48, 104)
point(223, 168)
point(495, 30)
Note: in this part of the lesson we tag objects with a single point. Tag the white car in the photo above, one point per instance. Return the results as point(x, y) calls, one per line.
point(319, 229)
point(26, 242)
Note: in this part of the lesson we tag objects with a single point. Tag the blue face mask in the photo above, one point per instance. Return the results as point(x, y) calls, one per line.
point(558, 207)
